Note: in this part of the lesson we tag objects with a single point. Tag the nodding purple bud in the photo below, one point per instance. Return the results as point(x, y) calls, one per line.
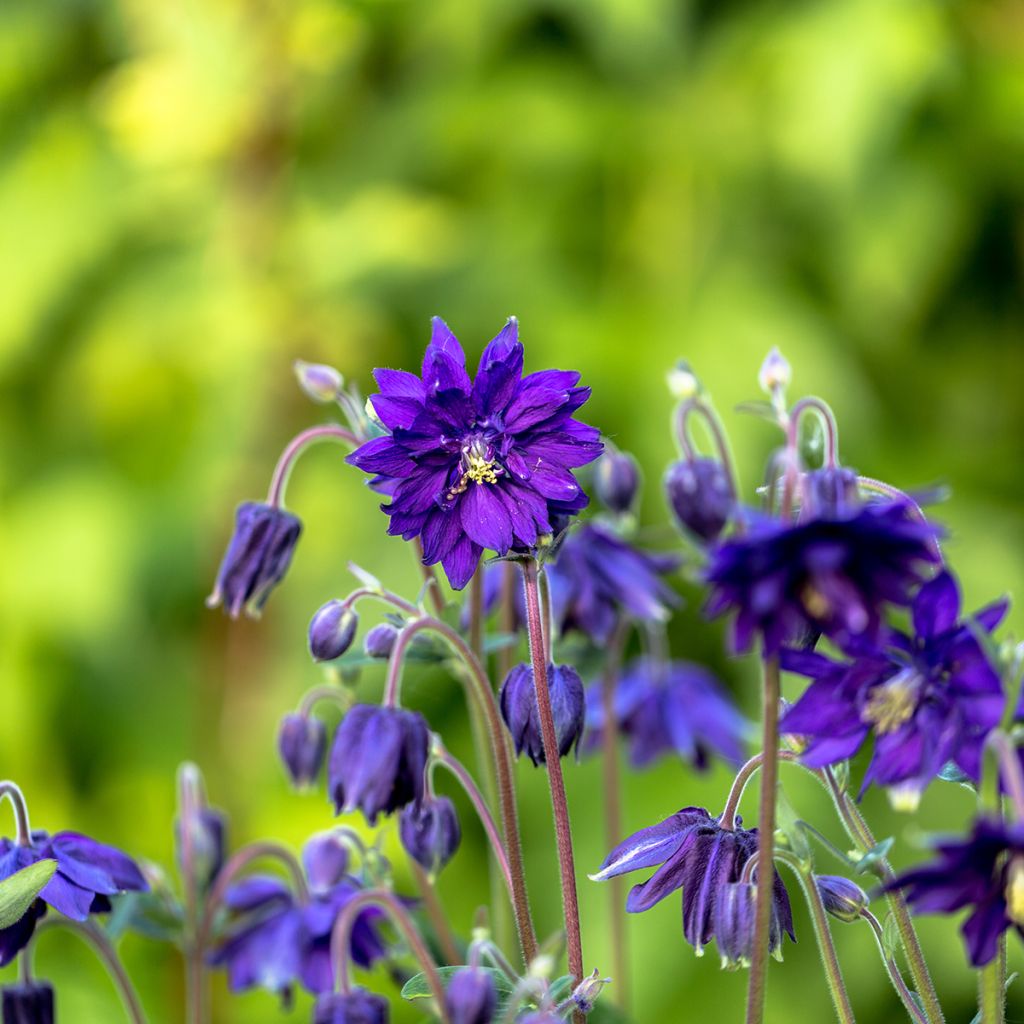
point(207, 834)
point(430, 832)
point(355, 1007)
point(28, 1003)
point(519, 709)
point(842, 898)
point(830, 493)
point(319, 381)
point(332, 630)
point(734, 923)
point(775, 373)
point(617, 481)
point(257, 558)
point(302, 742)
point(325, 860)
point(472, 997)
point(700, 495)
point(380, 640)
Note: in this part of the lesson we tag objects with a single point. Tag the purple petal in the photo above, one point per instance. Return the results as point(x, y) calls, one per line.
point(485, 518)
point(936, 606)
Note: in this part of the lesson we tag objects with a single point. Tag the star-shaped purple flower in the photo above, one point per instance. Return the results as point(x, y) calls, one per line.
point(928, 698)
point(477, 464)
point(984, 871)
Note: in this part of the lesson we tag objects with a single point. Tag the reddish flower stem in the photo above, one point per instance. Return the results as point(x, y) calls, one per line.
point(295, 447)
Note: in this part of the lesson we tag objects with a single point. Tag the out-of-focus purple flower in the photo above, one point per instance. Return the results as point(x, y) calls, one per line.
point(471, 997)
point(318, 380)
point(355, 1007)
point(518, 700)
point(88, 873)
point(829, 575)
point(831, 492)
point(257, 558)
point(208, 839)
point(700, 857)
point(700, 495)
point(984, 871)
point(332, 630)
point(28, 1003)
point(616, 480)
point(539, 1017)
point(671, 707)
point(430, 832)
point(302, 743)
point(275, 940)
point(928, 698)
point(379, 641)
point(843, 899)
point(597, 577)
point(378, 760)
point(479, 464)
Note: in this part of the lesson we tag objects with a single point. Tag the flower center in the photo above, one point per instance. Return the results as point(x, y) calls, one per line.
point(1015, 890)
point(892, 703)
point(477, 466)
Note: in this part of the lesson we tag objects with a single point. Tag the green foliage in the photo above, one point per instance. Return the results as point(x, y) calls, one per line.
point(19, 891)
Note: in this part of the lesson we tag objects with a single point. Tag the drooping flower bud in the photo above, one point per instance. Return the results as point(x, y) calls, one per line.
point(842, 898)
point(700, 495)
point(617, 481)
point(325, 859)
point(332, 630)
point(257, 558)
point(378, 760)
point(301, 742)
point(28, 1003)
point(208, 842)
point(519, 709)
point(380, 640)
point(830, 493)
point(319, 381)
point(430, 832)
point(355, 1007)
point(472, 997)
point(775, 373)
point(682, 381)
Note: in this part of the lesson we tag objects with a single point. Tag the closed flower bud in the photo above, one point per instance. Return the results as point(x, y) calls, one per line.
point(519, 709)
point(842, 898)
point(682, 381)
point(325, 861)
point(775, 373)
point(355, 1007)
point(332, 630)
point(617, 481)
point(301, 742)
point(28, 1003)
point(257, 558)
point(472, 997)
point(380, 640)
point(378, 760)
point(207, 843)
point(700, 495)
point(319, 381)
point(830, 493)
point(586, 992)
point(734, 923)
point(430, 832)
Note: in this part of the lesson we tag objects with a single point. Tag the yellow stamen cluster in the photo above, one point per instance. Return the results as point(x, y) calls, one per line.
point(476, 469)
point(890, 705)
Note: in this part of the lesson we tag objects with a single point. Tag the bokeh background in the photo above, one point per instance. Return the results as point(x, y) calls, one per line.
point(195, 192)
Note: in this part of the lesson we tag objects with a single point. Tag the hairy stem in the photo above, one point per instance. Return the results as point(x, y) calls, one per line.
point(436, 914)
point(190, 800)
point(893, 969)
point(23, 829)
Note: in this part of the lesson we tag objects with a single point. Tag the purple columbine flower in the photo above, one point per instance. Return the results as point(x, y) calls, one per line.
point(984, 871)
point(30, 1002)
point(617, 480)
point(276, 940)
point(700, 496)
point(257, 558)
point(673, 707)
point(355, 1007)
point(928, 698)
point(378, 760)
point(302, 743)
point(471, 997)
point(700, 857)
point(430, 832)
point(823, 575)
point(518, 700)
point(735, 924)
point(208, 843)
point(478, 464)
point(88, 873)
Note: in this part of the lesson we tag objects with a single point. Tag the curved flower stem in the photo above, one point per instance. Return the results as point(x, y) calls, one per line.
point(888, 491)
point(435, 914)
point(707, 414)
point(758, 981)
point(828, 420)
point(893, 969)
point(833, 973)
point(553, 764)
point(190, 800)
point(430, 581)
point(341, 941)
point(479, 689)
point(613, 806)
point(858, 830)
point(295, 447)
point(313, 696)
point(743, 777)
point(23, 829)
point(96, 939)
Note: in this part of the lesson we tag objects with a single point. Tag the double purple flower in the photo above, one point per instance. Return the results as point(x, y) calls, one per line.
point(477, 464)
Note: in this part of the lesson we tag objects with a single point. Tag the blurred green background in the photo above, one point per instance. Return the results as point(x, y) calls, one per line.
point(195, 192)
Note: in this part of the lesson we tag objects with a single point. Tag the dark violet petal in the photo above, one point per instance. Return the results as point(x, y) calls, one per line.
point(485, 518)
point(71, 900)
point(94, 865)
point(256, 891)
point(399, 384)
point(937, 606)
point(665, 881)
point(461, 561)
point(652, 845)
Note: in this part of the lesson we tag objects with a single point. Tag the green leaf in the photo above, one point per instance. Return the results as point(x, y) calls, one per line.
point(891, 940)
point(148, 913)
point(417, 987)
point(871, 861)
point(19, 891)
